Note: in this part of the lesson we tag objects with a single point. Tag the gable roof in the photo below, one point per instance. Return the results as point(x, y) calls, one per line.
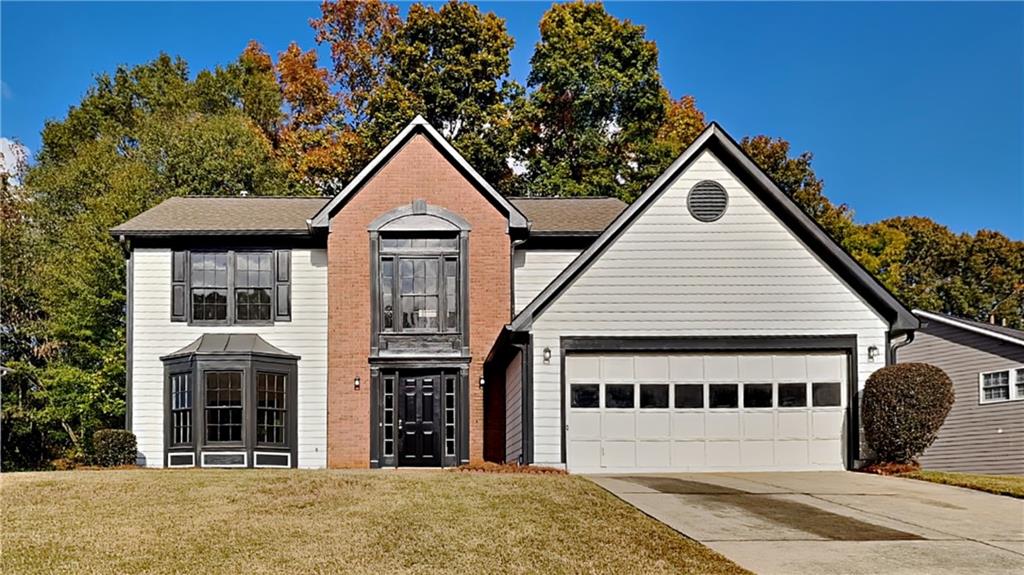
point(203, 215)
point(587, 216)
point(419, 125)
point(994, 331)
point(715, 139)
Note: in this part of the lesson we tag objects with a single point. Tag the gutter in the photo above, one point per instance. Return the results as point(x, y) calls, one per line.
point(894, 347)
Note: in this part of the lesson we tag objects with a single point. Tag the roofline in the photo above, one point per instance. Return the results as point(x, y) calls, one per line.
point(322, 219)
point(900, 319)
point(967, 326)
point(208, 233)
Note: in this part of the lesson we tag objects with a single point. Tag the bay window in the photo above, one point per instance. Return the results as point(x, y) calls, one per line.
point(231, 401)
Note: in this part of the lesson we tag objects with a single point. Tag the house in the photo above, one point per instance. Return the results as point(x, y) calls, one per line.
point(419, 318)
point(984, 431)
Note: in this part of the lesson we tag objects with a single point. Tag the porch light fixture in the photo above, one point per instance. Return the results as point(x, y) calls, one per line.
point(872, 353)
point(547, 355)
point(356, 383)
point(482, 381)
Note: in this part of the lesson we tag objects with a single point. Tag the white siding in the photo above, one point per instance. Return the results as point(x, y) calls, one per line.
point(534, 270)
point(155, 335)
point(670, 275)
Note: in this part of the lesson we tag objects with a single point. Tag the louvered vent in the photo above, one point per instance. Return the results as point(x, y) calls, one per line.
point(707, 201)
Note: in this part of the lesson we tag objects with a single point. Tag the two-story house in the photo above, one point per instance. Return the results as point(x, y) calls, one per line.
point(419, 318)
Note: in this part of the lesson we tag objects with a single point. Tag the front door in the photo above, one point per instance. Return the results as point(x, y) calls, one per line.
point(419, 421)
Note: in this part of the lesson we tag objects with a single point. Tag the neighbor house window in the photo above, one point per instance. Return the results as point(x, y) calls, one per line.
point(223, 406)
point(229, 287)
point(419, 284)
point(1004, 385)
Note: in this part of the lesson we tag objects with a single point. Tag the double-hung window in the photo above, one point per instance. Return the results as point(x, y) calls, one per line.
point(229, 287)
point(419, 285)
point(1003, 385)
point(208, 279)
point(254, 285)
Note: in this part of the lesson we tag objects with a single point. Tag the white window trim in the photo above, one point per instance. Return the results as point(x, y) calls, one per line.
point(1012, 381)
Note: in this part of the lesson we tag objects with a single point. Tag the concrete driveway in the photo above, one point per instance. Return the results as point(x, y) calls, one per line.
point(834, 522)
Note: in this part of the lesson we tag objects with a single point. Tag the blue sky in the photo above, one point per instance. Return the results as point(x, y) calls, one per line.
point(910, 109)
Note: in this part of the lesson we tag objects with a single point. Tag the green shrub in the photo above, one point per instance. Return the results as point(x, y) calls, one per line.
point(113, 447)
point(903, 408)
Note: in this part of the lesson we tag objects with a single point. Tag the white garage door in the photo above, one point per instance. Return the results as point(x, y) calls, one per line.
point(705, 412)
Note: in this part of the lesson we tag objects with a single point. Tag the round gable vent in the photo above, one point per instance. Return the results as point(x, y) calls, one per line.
point(707, 201)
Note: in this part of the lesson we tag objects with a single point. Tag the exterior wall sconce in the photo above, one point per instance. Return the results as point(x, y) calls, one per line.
point(482, 381)
point(547, 355)
point(872, 353)
point(356, 383)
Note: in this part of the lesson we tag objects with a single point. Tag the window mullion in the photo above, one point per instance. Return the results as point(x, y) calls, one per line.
point(231, 287)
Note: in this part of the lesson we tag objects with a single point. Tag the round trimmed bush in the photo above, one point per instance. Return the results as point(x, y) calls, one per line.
point(114, 447)
point(903, 408)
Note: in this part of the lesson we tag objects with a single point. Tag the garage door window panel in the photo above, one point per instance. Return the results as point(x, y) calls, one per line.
point(723, 396)
point(653, 396)
point(757, 395)
point(792, 395)
point(585, 395)
point(689, 396)
point(827, 394)
point(619, 396)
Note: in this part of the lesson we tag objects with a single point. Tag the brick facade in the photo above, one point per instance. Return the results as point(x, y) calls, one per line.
point(417, 171)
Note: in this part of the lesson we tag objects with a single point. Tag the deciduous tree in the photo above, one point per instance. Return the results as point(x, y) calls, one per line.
point(596, 105)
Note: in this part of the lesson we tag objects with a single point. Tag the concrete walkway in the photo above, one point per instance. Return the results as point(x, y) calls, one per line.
point(834, 522)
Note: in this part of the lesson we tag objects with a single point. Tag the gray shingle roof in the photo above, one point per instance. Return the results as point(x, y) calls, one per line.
point(219, 215)
point(1000, 329)
point(197, 215)
point(229, 343)
point(569, 215)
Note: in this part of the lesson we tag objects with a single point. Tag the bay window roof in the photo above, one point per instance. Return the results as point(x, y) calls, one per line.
point(230, 344)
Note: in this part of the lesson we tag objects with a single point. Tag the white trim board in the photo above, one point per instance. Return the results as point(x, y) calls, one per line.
point(966, 326)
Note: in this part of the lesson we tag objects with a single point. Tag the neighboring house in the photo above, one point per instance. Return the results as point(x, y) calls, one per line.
point(984, 432)
point(420, 318)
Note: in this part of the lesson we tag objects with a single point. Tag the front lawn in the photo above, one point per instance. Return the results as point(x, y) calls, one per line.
point(295, 521)
point(1012, 485)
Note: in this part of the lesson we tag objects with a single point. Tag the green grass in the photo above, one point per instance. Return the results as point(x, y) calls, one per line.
point(1011, 485)
point(297, 521)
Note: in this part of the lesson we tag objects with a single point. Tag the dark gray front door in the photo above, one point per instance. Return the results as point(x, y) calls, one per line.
point(419, 420)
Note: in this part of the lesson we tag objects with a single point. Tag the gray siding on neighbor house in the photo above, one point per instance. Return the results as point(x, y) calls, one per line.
point(977, 437)
point(514, 409)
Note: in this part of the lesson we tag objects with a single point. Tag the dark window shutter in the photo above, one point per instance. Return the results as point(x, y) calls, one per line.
point(179, 279)
point(283, 286)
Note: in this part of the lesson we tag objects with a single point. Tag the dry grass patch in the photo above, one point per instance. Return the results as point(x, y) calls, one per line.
point(262, 521)
point(1011, 485)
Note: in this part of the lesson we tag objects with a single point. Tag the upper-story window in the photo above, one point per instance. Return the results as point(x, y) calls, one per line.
point(419, 278)
point(231, 286)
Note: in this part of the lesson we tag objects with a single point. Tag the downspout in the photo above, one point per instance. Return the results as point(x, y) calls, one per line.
point(512, 276)
point(893, 348)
